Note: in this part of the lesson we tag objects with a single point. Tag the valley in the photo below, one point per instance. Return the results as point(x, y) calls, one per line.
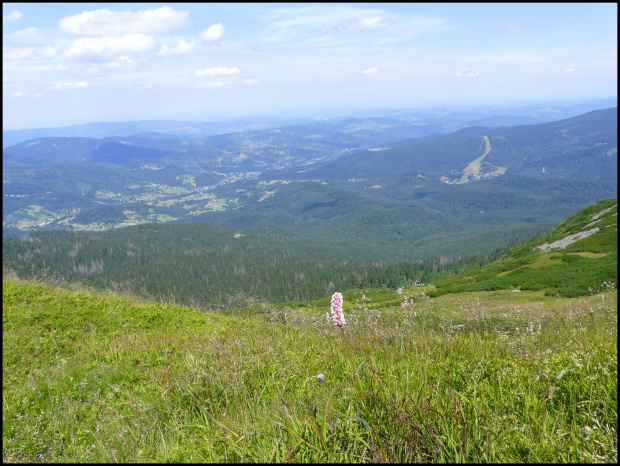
point(177, 308)
point(319, 233)
point(464, 192)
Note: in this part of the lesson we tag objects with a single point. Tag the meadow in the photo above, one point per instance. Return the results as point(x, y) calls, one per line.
point(486, 376)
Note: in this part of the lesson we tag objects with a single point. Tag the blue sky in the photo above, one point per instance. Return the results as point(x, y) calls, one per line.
point(84, 62)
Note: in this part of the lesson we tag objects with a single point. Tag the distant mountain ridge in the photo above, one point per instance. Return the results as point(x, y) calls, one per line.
point(511, 149)
point(563, 148)
point(187, 129)
point(459, 193)
point(450, 117)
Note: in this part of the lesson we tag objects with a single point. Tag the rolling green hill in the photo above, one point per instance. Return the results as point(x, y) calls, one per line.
point(586, 144)
point(279, 146)
point(448, 194)
point(576, 258)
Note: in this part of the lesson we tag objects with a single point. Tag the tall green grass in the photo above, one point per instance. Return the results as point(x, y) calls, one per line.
point(92, 378)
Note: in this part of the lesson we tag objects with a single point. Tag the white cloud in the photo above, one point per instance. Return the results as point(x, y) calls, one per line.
point(123, 63)
point(29, 53)
point(373, 22)
point(350, 23)
point(217, 71)
point(109, 46)
point(177, 46)
point(26, 35)
point(369, 71)
point(14, 15)
point(25, 94)
point(214, 32)
point(105, 22)
point(569, 70)
point(465, 73)
point(215, 84)
point(354, 26)
point(61, 86)
point(251, 81)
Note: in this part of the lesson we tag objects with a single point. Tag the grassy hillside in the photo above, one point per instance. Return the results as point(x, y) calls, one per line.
point(418, 373)
point(484, 377)
point(574, 259)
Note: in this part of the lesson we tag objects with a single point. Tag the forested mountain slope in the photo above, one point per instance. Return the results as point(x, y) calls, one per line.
point(207, 265)
point(464, 193)
point(461, 193)
point(210, 266)
point(582, 147)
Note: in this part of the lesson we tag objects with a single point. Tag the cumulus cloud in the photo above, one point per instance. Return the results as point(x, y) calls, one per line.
point(465, 73)
point(61, 86)
point(250, 81)
point(26, 35)
point(123, 63)
point(109, 46)
point(214, 32)
point(105, 22)
point(13, 16)
point(177, 46)
point(369, 71)
point(29, 53)
point(217, 71)
point(569, 70)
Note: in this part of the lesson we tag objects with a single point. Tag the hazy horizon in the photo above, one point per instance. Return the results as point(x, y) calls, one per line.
point(66, 64)
point(334, 114)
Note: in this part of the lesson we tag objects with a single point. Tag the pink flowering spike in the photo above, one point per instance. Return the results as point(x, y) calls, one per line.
point(399, 291)
point(319, 378)
point(403, 304)
point(337, 314)
point(363, 297)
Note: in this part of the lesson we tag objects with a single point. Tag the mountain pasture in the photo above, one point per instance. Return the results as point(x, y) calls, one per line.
point(480, 377)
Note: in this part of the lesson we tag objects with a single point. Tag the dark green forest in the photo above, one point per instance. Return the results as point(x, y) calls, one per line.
point(214, 267)
point(210, 266)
